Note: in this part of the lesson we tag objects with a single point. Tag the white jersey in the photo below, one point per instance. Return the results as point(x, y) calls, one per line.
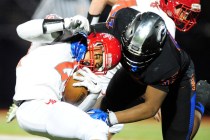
point(41, 74)
point(38, 39)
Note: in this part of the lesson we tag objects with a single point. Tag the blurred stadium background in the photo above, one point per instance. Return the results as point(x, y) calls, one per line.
point(14, 12)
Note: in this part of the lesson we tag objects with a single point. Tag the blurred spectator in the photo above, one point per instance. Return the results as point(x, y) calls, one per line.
point(63, 8)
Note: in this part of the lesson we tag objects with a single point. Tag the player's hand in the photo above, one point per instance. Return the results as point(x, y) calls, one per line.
point(87, 80)
point(78, 50)
point(77, 23)
point(98, 114)
point(157, 116)
point(104, 116)
point(11, 114)
point(108, 117)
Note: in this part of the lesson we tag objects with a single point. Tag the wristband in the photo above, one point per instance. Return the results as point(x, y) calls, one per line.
point(112, 118)
point(200, 108)
point(93, 19)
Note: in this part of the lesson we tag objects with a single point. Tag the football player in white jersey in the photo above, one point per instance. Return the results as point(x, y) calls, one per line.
point(41, 75)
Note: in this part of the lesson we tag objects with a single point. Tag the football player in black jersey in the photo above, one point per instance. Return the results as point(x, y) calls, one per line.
point(153, 66)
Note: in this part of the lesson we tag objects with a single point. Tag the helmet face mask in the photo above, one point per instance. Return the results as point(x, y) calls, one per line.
point(103, 53)
point(94, 57)
point(145, 44)
point(183, 12)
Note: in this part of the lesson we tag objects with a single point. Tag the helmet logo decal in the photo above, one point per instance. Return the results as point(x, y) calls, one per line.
point(108, 36)
point(134, 68)
point(110, 21)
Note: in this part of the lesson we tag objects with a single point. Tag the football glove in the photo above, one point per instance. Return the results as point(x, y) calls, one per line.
point(109, 118)
point(11, 114)
point(98, 114)
point(77, 23)
point(78, 49)
point(87, 80)
point(105, 117)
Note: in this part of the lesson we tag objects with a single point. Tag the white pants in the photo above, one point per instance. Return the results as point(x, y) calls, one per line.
point(59, 120)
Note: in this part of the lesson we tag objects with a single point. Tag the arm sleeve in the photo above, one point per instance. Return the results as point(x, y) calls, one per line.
point(93, 19)
point(38, 30)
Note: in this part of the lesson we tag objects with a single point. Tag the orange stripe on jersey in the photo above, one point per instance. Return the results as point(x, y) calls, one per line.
point(65, 65)
point(122, 4)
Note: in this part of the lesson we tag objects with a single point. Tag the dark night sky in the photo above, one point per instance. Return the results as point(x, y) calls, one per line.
point(12, 48)
point(196, 42)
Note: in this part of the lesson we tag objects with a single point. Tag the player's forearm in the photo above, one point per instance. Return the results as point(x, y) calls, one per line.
point(111, 2)
point(97, 6)
point(137, 113)
point(197, 121)
point(95, 9)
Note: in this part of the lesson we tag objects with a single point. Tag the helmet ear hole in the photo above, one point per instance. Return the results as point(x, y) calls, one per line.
point(129, 33)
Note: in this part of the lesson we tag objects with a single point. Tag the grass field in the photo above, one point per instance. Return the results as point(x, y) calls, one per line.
point(143, 130)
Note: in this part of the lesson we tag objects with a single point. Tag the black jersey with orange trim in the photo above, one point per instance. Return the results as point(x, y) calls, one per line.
point(166, 68)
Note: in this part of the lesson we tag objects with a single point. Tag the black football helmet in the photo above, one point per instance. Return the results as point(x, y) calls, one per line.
point(142, 41)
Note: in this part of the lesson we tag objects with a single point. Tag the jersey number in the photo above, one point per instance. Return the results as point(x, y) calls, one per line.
point(64, 69)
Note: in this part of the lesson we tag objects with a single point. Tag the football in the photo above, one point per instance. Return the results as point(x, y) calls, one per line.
point(73, 94)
